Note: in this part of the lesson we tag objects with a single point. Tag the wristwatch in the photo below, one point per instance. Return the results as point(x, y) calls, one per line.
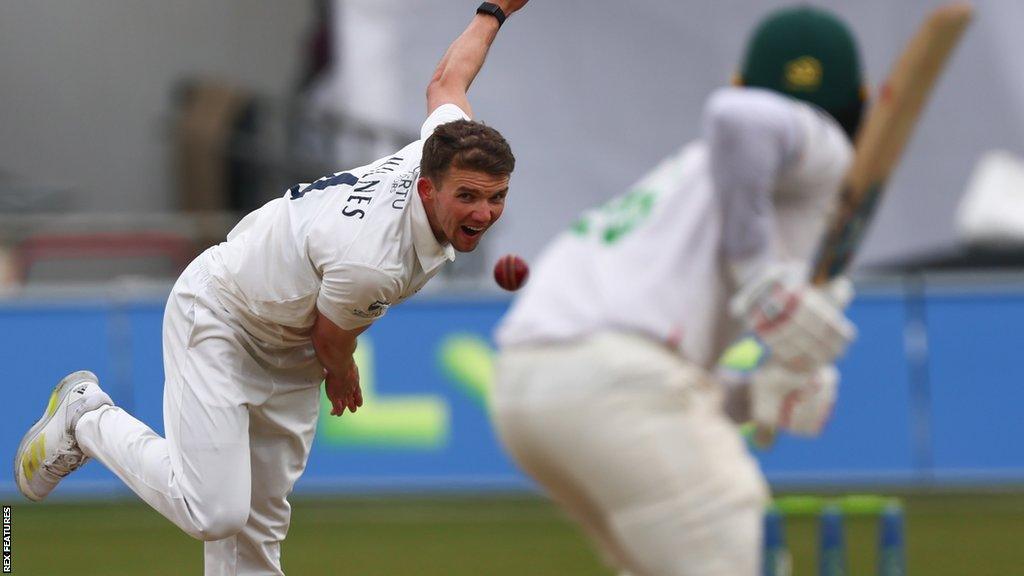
point(493, 10)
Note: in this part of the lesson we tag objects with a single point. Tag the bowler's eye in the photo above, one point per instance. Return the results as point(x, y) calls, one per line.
point(498, 198)
point(464, 196)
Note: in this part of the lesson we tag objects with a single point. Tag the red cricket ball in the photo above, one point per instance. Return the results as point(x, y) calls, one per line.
point(510, 272)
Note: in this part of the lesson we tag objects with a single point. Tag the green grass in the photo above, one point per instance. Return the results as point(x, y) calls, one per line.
point(975, 535)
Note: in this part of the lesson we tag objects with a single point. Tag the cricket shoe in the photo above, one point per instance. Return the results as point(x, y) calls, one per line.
point(49, 451)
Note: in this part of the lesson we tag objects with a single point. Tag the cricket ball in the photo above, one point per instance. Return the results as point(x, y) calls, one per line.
point(510, 272)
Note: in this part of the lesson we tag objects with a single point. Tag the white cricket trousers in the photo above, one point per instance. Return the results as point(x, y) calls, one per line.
point(630, 440)
point(238, 435)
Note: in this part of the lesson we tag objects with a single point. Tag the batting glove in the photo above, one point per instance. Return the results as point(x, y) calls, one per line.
point(799, 402)
point(802, 326)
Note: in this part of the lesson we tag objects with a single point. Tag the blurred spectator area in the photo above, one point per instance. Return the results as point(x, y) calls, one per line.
point(190, 141)
point(235, 150)
point(232, 150)
point(63, 250)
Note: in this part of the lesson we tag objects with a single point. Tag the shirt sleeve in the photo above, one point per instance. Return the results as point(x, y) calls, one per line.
point(752, 136)
point(443, 114)
point(823, 159)
point(353, 296)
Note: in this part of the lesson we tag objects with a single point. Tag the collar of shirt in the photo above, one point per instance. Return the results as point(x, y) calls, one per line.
point(430, 252)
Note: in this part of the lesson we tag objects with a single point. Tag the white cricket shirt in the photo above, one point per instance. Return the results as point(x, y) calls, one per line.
point(659, 260)
point(349, 245)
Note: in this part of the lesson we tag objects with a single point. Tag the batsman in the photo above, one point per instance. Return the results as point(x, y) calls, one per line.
point(605, 392)
point(256, 323)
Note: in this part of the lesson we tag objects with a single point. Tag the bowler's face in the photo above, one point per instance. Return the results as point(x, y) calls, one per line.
point(466, 205)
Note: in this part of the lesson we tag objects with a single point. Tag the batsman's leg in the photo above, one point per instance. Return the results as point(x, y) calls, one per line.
point(641, 434)
point(516, 432)
point(701, 513)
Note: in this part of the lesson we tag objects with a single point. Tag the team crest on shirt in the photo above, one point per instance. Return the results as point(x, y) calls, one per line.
point(375, 310)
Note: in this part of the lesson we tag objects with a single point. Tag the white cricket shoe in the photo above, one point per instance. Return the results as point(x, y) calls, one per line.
point(49, 451)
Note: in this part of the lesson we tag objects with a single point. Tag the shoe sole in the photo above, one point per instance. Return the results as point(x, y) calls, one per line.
point(60, 392)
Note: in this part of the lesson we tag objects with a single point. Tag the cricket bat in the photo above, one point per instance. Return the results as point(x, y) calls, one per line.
point(880, 143)
point(885, 133)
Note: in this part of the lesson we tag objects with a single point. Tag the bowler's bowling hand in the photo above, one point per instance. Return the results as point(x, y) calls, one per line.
point(343, 391)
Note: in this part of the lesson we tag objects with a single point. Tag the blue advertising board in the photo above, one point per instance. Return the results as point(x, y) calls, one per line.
point(937, 408)
point(976, 385)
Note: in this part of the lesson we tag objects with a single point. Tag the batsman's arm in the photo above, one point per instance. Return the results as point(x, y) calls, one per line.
point(334, 348)
point(464, 59)
point(752, 136)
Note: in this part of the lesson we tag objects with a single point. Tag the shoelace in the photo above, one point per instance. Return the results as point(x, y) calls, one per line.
point(68, 459)
point(66, 463)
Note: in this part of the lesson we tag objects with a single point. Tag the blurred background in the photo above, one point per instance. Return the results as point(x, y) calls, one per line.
point(135, 133)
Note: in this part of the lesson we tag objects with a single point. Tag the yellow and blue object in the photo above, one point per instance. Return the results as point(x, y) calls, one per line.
point(832, 552)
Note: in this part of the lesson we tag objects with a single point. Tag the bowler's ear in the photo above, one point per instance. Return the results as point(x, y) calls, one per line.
point(425, 188)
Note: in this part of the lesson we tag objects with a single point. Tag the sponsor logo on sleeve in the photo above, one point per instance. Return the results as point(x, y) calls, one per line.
point(375, 310)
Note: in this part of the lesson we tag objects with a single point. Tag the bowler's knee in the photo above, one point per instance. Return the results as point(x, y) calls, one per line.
point(219, 522)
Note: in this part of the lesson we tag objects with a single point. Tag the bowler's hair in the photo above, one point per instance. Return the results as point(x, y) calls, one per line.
point(466, 145)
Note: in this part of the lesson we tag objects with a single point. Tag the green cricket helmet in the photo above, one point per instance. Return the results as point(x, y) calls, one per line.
point(811, 55)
